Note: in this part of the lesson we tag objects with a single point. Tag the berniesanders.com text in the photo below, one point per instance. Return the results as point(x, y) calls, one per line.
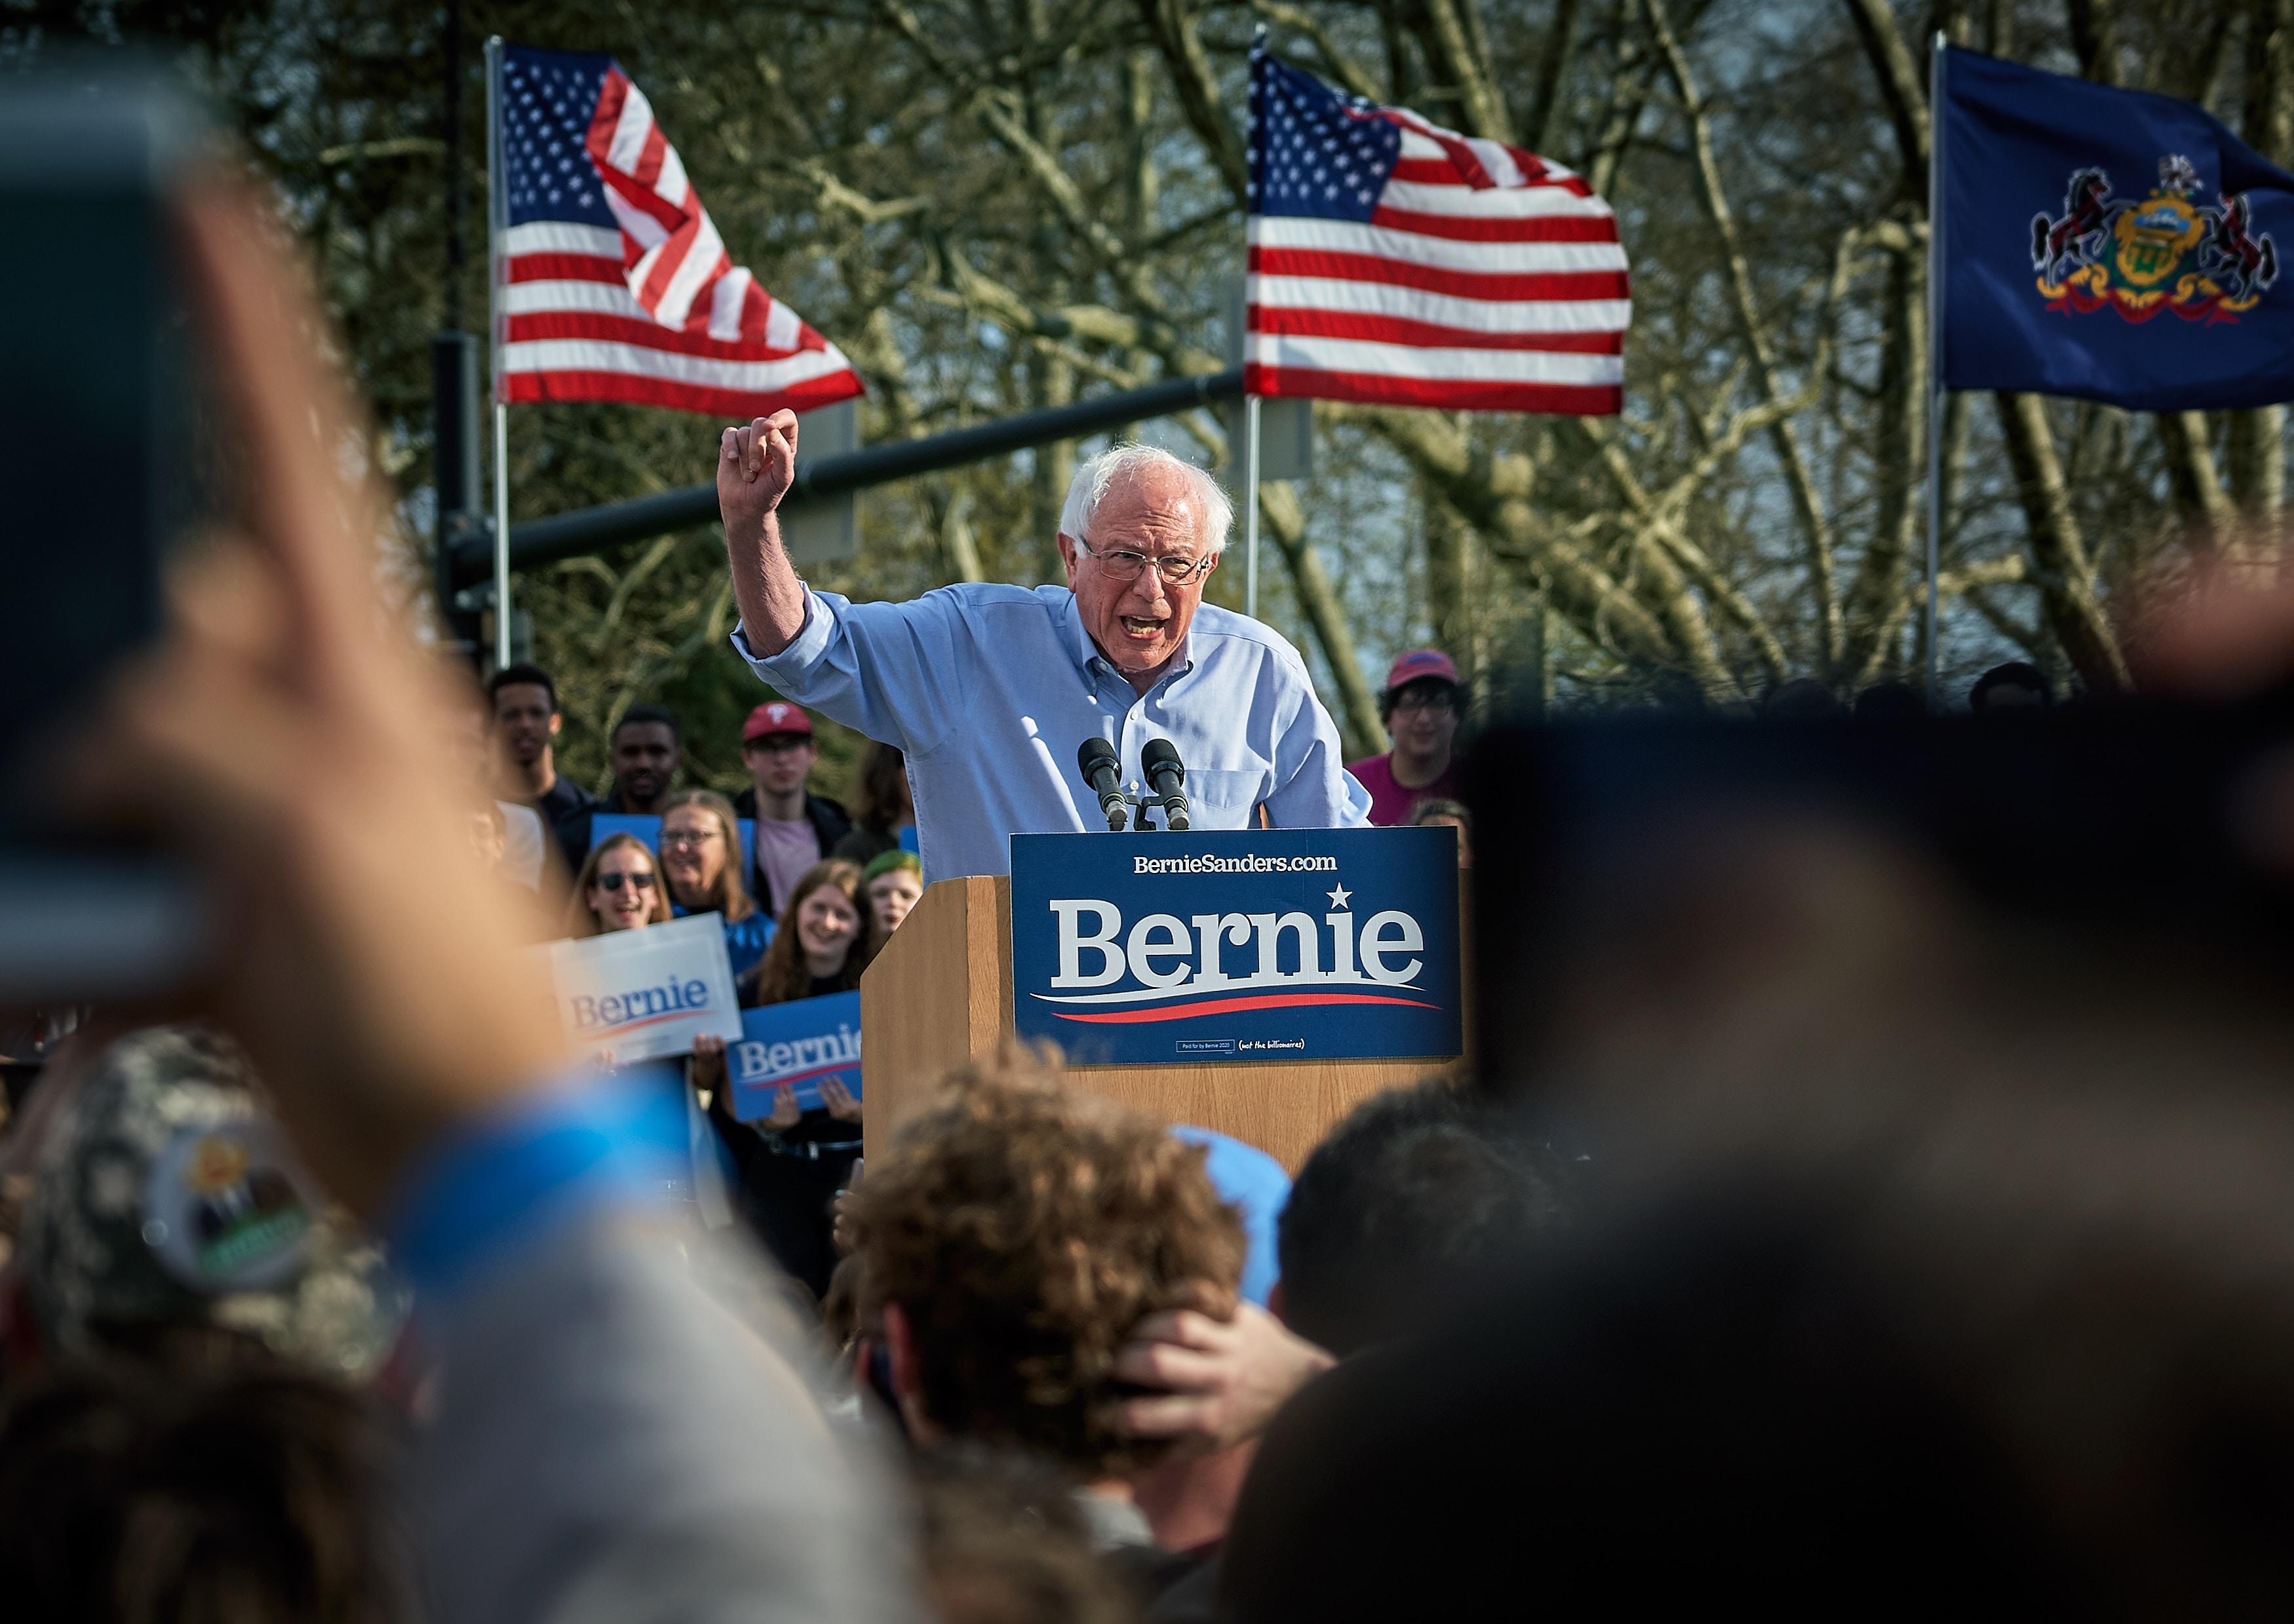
point(1254, 863)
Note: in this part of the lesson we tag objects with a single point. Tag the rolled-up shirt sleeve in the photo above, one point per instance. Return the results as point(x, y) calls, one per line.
point(890, 671)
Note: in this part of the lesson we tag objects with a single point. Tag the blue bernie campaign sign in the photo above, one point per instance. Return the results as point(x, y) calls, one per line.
point(1246, 945)
point(603, 825)
point(800, 1046)
point(2114, 245)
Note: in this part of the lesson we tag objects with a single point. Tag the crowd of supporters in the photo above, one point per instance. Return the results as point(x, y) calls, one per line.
point(1820, 1243)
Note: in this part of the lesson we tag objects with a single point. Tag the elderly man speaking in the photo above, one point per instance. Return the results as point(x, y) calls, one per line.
point(989, 689)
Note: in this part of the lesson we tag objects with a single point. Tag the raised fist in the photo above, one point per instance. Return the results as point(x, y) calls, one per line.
point(755, 467)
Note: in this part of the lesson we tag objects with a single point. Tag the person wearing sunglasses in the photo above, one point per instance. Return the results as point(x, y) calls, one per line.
point(619, 888)
point(988, 689)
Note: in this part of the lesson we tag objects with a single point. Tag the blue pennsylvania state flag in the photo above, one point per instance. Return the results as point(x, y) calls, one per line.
point(2108, 244)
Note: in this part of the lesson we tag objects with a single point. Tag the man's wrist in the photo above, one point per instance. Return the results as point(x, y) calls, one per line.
point(550, 1156)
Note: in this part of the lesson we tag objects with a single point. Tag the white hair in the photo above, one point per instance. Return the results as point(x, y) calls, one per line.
point(1094, 474)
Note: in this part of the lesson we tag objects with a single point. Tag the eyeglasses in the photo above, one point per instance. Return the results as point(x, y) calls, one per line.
point(613, 883)
point(680, 838)
point(1127, 565)
point(1424, 702)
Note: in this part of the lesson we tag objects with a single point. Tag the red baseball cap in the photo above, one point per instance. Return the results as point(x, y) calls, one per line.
point(776, 715)
point(1418, 664)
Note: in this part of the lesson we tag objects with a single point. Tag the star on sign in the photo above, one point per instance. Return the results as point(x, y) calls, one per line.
point(1338, 897)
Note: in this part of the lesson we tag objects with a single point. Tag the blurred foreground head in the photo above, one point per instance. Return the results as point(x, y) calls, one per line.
point(1936, 1075)
point(167, 1206)
point(221, 1489)
point(1412, 1195)
point(1013, 1238)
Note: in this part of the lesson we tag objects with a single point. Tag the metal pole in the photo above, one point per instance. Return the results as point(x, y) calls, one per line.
point(497, 222)
point(457, 249)
point(1938, 122)
point(502, 534)
point(612, 525)
point(1250, 506)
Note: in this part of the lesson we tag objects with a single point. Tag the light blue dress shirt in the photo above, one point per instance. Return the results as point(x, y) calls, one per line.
point(989, 690)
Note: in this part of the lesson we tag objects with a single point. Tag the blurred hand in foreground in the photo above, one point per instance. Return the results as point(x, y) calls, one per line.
point(1222, 1378)
point(282, 737)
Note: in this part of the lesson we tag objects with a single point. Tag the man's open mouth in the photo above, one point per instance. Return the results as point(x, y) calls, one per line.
point(1141, 625)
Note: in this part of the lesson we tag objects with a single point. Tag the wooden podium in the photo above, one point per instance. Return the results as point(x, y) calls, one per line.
point(941, 992)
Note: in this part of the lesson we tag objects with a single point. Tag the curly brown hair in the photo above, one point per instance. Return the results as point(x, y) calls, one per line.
point(1024, 1228)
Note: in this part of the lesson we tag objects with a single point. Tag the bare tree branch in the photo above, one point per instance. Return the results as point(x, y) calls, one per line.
point(1336, 61)
point(2065, 574)
point(1901, 88)
point(1816, 528)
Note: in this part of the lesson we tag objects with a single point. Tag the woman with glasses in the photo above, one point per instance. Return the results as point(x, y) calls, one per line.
point(793, 1161)
point(700, 860)
point(618, 889)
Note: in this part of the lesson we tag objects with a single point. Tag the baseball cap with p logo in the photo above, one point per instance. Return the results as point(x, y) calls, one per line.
point(776, 715)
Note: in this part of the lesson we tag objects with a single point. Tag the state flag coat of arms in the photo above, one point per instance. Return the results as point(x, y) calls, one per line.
point(2108, 244)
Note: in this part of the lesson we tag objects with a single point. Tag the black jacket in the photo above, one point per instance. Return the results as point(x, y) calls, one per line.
point(829, 820)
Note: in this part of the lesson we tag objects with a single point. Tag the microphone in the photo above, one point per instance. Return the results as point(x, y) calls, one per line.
point(1101, 765)
point(1159, 760)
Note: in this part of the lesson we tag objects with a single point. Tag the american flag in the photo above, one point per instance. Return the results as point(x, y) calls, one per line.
point(1394, 262)
point(613, 281)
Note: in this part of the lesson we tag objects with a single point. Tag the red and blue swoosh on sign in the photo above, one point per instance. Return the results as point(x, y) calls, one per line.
point(1199, 1007)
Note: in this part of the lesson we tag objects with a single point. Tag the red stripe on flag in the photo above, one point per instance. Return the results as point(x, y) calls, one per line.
point(669, 262)
point(668, 215)
point(704, 301)
point(564, 268)
point(1431, 278)
point(1446, 394)
point(1300, 323)
point(1499, 228)
point(1441, 172)
point(631, 389)
point(536, 324)
point(649, 156)
point(607, 117)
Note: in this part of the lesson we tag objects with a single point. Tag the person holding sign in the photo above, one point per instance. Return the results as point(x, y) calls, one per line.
point(700, 860)
point(793, 1162)
point(618, 889)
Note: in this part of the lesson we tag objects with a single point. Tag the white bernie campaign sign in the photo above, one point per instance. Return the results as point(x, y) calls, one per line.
point(642, 995)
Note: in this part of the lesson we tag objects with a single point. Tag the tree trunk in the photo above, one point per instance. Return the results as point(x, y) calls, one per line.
point(1447, 540)
point(1876, 600)
point(1817, 532)
point(2198, 489)
point(2256, 444)
point(1318, 601)
point(2066, 580)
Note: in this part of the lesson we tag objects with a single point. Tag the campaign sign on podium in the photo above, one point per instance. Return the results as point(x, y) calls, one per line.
point(1246, 945)
point(796, 1045)
point(640, 994)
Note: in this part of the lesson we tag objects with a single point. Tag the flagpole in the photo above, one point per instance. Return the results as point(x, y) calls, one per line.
point(497, 222)
point(1937, 122)
point(1250, 506)
point(1250, 398)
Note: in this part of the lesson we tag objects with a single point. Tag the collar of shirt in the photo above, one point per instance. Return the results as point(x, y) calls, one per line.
point(1091, 659)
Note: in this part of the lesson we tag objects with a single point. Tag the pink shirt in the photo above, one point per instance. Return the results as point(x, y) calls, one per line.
point(783, 852)
point(1391, 803)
